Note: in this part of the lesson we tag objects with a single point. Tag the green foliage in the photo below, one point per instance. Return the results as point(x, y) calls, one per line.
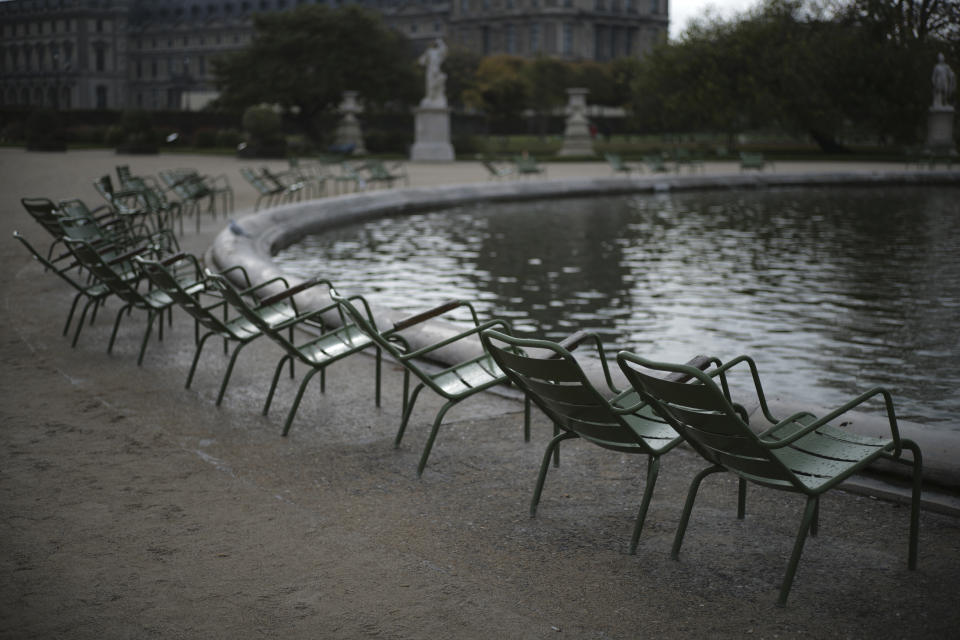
point(304, 59)
point(461, 69)
point(787, 66)
point(501, 90)
point(134, 134)
point(44, 131)
point(263, 129)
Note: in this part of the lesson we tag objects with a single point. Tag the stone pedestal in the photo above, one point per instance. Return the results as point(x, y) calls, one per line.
point(576, 136)
point(348, 132)
point(940, 131)
point(432, 137)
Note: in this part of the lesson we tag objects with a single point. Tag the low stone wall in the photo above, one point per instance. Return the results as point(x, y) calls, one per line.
point(253, 240)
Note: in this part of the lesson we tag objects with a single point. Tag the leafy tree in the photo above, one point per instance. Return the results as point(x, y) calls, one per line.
point(789, 65)
point(304, 59)
point(461, 69)
point(500, 90)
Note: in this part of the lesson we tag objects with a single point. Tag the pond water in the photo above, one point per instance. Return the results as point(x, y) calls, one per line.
point(832, 291)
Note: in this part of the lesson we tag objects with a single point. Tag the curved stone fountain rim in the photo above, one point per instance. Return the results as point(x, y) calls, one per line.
point(253, 240)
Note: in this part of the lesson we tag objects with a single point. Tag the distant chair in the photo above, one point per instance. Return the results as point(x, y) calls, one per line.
point(497, 171)
point(527, 165)
point(655, 163)
point(753, 160)
point(617, 165)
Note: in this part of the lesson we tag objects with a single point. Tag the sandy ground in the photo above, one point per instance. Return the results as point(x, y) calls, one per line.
point(134, 508)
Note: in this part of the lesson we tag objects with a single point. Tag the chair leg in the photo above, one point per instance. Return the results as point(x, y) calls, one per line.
point(433, 436)
point(808, 515)
point(146, 334)
point(653, 469)
point(526, 418)
point(196, 359)
point(273, 384)
point(914, 500)
point(116, 325)
point(83, 315)
point(229, 372)
point(556, 450)
point(406, 414)
point(73, 307)
point(545, 465)
point(815, 522)
point(688, 507)
point(296, 401)
point(377, 382)
point(741, 499)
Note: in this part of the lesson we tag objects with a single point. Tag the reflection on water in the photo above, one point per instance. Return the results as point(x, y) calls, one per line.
point(832, 291)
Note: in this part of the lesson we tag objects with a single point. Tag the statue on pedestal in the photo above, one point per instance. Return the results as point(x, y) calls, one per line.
point(940, 115)
point(432, 59)
point(432, 117)
point(944, 83)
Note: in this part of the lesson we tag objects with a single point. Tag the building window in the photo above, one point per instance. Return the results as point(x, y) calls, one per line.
point(485, 37)
point(510, 39)
point(139, 69)
point(101, 61)
point(535, 37)
point(99, 26)
point(153, 68)
point(654, 6)
point(567, 39)
point(101, 97)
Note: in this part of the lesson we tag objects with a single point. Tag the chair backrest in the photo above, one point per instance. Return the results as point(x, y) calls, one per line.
point(123, 174)
point(557, 384)
point(236, 300)
point(160, 276)
point(44, 211)
point(258, 182)
point(114, 277)
point(350, 313)
point(700, 412)
point(60, 271)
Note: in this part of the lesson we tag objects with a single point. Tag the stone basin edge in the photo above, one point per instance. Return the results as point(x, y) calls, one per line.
point(254, 239)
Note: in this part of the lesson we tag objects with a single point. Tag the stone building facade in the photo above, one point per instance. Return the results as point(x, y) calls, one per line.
point(156, 54)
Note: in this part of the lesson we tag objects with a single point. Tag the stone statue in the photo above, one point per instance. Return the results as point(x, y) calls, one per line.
point(432, 59)
point(944, 83)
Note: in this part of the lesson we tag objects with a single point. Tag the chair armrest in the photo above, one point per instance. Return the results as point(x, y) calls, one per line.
point(813, 426)
point(126, 257)
point(577, 338)
point(496, 322)
point(439, 310)
point(243, 272)
point(303, 286)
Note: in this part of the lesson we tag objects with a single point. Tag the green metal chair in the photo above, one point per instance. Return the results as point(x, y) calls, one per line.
point(379, 173)
point(115, 274)
point(214, 316)
point(318, 352)
point(617, 420)
point(454, 384)
point(497, 171)
point(95, 293)
point(801, 453)
point(527, 165)
point(617, 165)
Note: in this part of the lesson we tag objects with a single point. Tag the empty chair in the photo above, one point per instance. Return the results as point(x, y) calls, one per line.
point(617, 420)
point(318, 352)
point(213, 315)
point(94, 293)
point(116, 275)
point(802, 453)
point(454, 383)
